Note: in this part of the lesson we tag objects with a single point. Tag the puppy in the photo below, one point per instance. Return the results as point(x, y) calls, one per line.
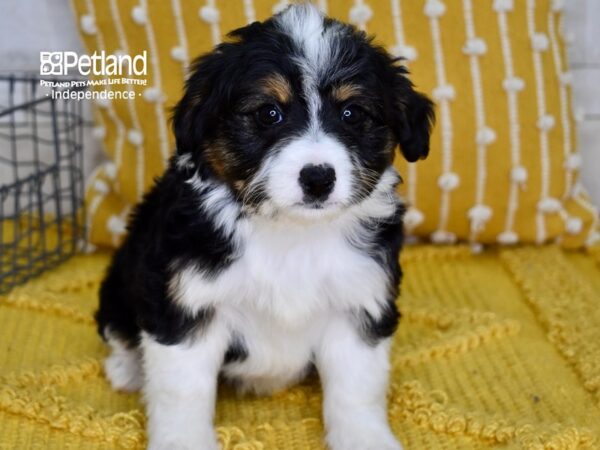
point(270, 245)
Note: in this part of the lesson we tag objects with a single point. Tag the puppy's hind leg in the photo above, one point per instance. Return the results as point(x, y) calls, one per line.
point(123, 367)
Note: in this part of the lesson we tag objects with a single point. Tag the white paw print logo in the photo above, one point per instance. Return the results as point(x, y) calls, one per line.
point(51, 63)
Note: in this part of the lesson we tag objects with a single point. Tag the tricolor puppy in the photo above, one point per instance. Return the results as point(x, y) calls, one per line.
point(270, 245)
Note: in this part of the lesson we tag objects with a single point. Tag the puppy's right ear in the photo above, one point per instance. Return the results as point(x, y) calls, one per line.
point(205, 93)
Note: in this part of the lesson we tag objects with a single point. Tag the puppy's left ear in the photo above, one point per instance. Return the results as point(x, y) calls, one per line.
point(416, 120)
point(412, 113)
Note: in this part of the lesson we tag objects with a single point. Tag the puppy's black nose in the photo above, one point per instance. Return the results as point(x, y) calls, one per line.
point(317, 181)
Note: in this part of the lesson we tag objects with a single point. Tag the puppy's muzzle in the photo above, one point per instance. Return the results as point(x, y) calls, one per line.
point(317, 182)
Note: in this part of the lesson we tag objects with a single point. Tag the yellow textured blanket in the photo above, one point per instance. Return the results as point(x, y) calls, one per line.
point(494, 350)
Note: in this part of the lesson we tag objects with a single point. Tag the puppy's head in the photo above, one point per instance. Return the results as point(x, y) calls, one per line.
point(300, 115)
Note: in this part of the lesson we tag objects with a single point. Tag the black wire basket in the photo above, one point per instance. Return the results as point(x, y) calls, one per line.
point(41, 179)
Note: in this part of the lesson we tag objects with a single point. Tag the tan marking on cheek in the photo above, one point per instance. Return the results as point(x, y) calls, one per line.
point(344, 92)
point(278, 86)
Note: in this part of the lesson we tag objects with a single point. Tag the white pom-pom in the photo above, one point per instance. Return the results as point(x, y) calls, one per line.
point(558, 5)
point(507, 238)
point(103, 102)
point(116, 225)
point(88, 24)
point(503, 5)
point(549, 205)
point(513, 84)
point(152, 94)
point(110, 169)
point(178, 53)
point(475, 47)
point(546, 122)
point(100, 187)
point(539, 42)
point(209, 14)
point(448, 181)
point(485, 136)
point(135, 137)
point(443, 237)
point(566, 78)
point(574, 225)
point(479, 215)
point(573, 161)
point(444, 92)
point(99, 132)
point(434, 9)
point(138, 15)
point(519, 174)
point(360, 13)
point(413, 218)
point(407, 52)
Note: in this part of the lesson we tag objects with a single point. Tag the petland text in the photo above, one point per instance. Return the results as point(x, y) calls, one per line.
point(97, 64)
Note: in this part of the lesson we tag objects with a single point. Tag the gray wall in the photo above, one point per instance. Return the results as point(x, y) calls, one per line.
point(582, 20)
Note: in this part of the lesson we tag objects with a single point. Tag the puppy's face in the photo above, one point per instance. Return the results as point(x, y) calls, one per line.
point(299, 115)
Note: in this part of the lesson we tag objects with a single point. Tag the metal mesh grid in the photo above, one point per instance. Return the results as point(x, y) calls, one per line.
point(41, 179)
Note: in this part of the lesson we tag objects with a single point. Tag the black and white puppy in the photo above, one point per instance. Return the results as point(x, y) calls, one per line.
point(270, 245)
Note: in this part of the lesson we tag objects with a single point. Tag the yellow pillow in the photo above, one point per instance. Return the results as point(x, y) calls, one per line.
point(503, 167)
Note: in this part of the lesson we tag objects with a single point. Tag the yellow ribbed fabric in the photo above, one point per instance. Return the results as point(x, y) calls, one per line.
point(498, 350)
point(504, 163)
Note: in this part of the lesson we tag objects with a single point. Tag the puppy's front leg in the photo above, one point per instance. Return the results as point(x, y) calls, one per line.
point(180, 390)
point(354, 375)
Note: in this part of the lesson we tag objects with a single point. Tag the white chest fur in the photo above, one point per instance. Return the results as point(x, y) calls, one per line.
point(289, 272)
point(287, 282)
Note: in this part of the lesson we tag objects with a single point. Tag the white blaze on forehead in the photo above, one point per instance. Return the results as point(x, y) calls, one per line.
point(304, 24)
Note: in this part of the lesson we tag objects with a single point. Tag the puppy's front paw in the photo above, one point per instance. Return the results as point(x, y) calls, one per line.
point(361, 437)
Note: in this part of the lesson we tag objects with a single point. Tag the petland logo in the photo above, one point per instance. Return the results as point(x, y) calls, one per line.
point(98, 64)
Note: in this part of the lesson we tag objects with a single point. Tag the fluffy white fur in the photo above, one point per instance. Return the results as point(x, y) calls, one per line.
point(123, 366)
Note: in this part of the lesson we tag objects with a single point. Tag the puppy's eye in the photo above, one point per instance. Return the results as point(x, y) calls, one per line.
point(269, 115)
point(352, 115)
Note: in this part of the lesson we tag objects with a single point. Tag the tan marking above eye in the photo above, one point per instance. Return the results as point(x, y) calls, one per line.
point(346, 91)
point(277, 86)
